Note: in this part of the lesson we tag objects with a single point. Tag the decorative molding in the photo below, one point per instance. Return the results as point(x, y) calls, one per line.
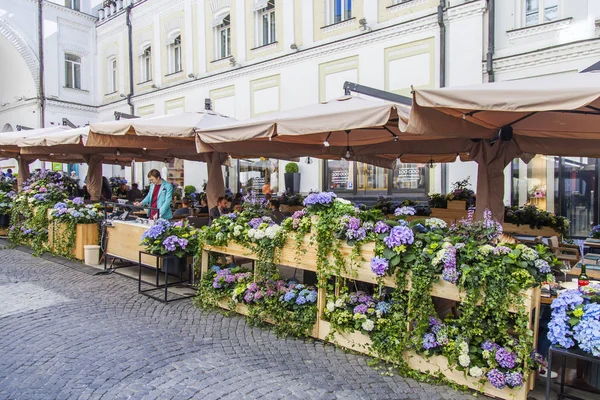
point(68, 10)
point(264, 49)
point(18, 42)
point(176, 22)
point(550, 55)
point(75, 49)
point(338, 25)
point(466, 10)
point(516, 34)
point(406, 4)
point(75, 90)
point(66, 23)
point(62, 105)
point(21, 104)
point(217, 5)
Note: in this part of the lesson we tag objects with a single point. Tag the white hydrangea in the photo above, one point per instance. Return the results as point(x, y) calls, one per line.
point(339, 303)
point(237, 231)
point(330, 306)
point(464, 347)
point(435, 223)
point(368, 325)
point(251, 233)
point(527, 253)
point(272, 231)
point(475, 372)
point(258, 235)
point(464, 360)
point(486, 250)
point(220, 236)
point(342, 201)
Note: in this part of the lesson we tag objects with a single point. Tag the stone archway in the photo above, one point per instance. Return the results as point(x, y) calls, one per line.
point(29, 55)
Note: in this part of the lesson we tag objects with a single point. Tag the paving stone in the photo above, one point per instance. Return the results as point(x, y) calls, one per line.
point(67, 334)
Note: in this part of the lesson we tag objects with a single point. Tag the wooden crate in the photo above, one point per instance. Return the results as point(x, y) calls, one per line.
point(457, 205)
point(84, 234)
point(525, 230)
point(451, 216)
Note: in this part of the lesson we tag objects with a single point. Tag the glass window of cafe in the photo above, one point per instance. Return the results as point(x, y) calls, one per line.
point(258, 174)
point(360, 179)
point(566, 186)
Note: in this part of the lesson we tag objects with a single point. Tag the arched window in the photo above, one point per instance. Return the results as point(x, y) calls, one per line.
point(72, 71)
point(175, 55)
point(146, 64)
point(223, 35)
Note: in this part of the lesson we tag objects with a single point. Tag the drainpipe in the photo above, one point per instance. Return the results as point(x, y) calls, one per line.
point(442, 25)
point(491, 40)
point(130, 40)
point(41, 54)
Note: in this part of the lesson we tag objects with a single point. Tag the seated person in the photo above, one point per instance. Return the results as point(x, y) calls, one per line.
point(219, 209)
point(185, 208)
point(135, 193)
point(236, 206)
point(278, 216)
point(203, 207)
point(122, 191)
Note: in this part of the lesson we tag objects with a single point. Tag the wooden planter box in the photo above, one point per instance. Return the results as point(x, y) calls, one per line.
point(450, 216)
point(85, 234)
point(457, 205)
point(525, 230)
point(361, 343)
point(3, 231)
point(284, 208)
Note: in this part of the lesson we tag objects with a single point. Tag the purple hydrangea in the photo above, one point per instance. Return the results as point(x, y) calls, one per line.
point(156, 230)
point(496, 378)
point(353, 223)
point(379, 265)
point(255, 223)
point(542, 266)
point(449, 272)
point(298, 214)
point(321, 198)
point(172, 241)
point(361, 309)
point(404, 211)
point(502, 250)
point(514, 379)
point(356, 234)
point(489, 346)
point(300, 300)
point(78, 201)
point(381, 227)
point(506, 358)
point(433, 321)
point(60, 205)
point(429, 341)
point(289, 296)
point(399, 235)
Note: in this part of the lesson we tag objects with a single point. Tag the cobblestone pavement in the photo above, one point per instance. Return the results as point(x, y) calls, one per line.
point(65, 334)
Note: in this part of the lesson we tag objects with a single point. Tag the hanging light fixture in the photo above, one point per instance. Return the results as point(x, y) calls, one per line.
point(325, 142)
point(118, 153)
point(431, 164)
point(349, 153)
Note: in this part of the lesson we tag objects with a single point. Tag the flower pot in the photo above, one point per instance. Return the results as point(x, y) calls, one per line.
point(4, 220)
point(174, 266)
point(457, 205)
point(292, 182)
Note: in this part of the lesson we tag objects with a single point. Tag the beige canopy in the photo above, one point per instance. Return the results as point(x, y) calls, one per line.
point(169, 135)
point(554, 115)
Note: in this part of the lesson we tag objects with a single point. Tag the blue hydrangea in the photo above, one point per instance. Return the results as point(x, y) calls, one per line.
point(321, 198)
point(60, 205)
point(312, 297)
point(300, 300)
point(289, 296)
point(383, 307)
point(587, 334)
point(215, 268)
point(429, 341)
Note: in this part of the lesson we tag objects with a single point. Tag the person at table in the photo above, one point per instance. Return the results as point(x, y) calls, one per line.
point(219, 209)
point(106, 191)
point(135, 193)
point(203, 209)
point(159, 196)
point(277, 215)
point(185, 209)
point(122, 191)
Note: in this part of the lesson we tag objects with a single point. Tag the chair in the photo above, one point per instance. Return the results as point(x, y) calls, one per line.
point(532, 242)
point(564, 251)
point(198, 222)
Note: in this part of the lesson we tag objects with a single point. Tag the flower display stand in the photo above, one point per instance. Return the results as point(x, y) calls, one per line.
point(526, 230)
point(359, 342)
point(85, 234)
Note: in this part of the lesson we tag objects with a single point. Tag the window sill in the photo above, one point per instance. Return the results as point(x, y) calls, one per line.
point(110, 94)
point(405, 4)
point(174, 73)
point(264, 48)
point(75, 90)
point(538, 29)
point(338, 25)
point(145, 82)
point(220, 60)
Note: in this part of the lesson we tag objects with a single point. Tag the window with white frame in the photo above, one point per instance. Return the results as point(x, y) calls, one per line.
point(112, 75)
point(146, 64)
point(223, 36)
point(175, 55)
point(540, 11)
point(72, 71)
point(337, 11)
point(73, 4)
point(265, 23)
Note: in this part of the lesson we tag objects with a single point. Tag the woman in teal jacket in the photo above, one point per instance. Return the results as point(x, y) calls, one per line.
point(159, 196)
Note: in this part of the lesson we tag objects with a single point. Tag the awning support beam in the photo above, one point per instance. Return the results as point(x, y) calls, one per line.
point(380, 94)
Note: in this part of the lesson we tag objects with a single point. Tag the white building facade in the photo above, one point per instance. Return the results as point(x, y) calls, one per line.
point(251, 57)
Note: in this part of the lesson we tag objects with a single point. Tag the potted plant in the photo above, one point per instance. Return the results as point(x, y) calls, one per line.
point(177, 239)
point(292, 178)
point(461, 196)
point(291, 202)
point(437, 200)
point(74, 225)
point(5, 208)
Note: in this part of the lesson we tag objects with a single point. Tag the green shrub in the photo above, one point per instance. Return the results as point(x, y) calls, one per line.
point(189, 189)
point(291, 168)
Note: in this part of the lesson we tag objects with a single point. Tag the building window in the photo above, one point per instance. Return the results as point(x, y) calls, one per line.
point(72, 71)
point(340, 175)
point(540, 11)
point(409, 177)
point(175, 55)
point(338, 11)
point(146, 64)
point(73, 4)
point(112, 75)
point(258, 176)
point(224, 38)
point(266, 24)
